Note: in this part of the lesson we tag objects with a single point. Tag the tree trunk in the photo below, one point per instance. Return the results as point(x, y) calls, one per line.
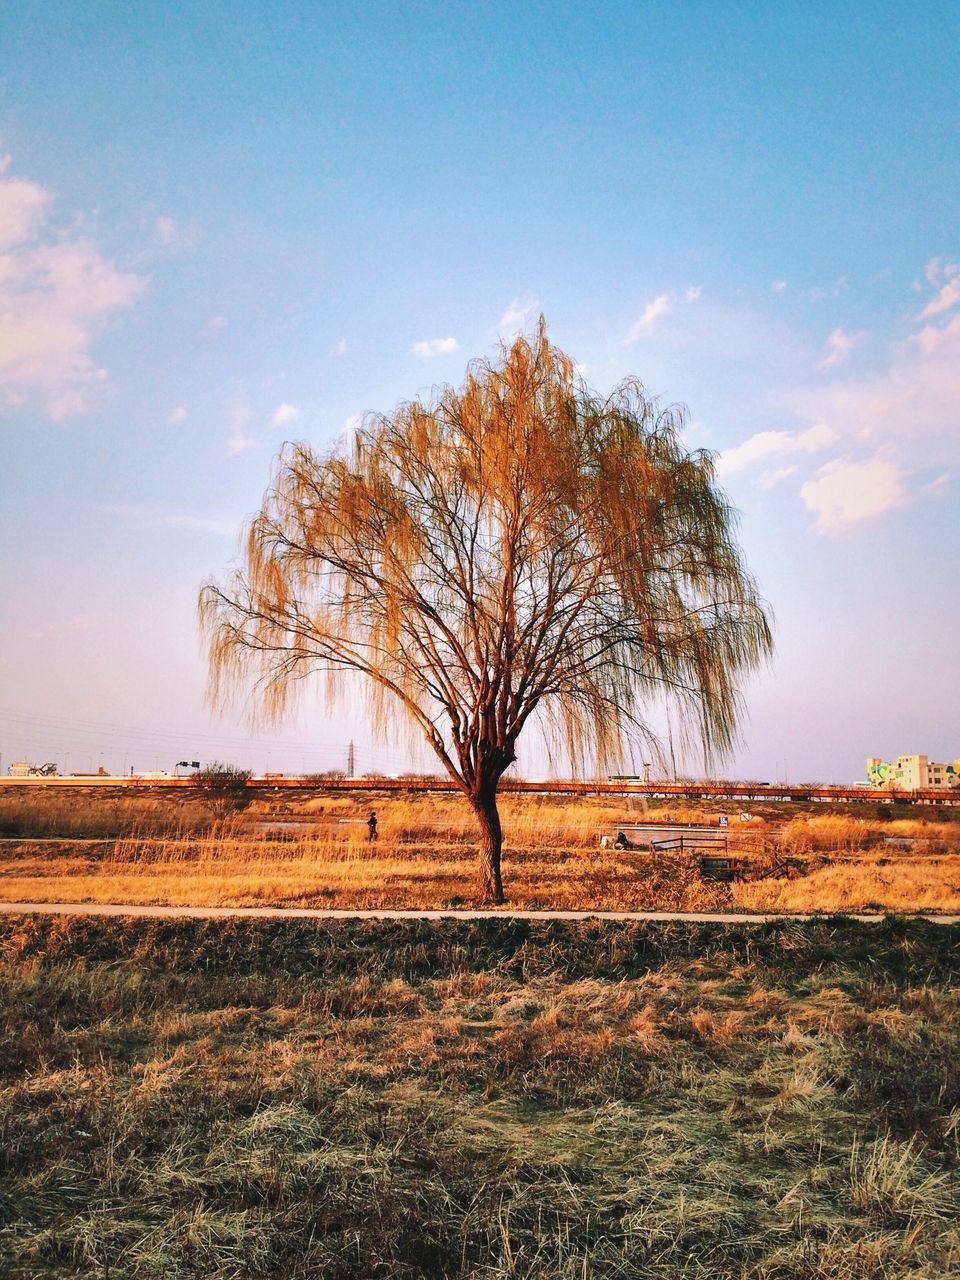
point(489, 882)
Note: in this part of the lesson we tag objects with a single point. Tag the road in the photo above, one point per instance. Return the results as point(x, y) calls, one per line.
point(335, 913)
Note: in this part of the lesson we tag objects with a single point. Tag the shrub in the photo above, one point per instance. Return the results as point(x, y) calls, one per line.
point(224, 787)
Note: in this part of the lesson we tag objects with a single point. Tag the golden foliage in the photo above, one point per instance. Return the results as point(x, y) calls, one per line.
point(518, 542)
point(519, 547)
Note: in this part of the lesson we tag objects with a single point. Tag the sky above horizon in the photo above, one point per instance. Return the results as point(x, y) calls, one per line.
point(224, 226)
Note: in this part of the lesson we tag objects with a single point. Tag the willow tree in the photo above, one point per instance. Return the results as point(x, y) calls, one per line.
point(520, 547)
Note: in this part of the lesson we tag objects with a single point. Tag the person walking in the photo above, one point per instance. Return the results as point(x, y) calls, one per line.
point(372, 827)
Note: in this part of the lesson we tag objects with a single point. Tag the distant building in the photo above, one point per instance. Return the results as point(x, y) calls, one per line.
point(913, 773)
point(23, 769)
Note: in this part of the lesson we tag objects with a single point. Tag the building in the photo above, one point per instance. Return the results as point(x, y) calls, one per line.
point(23, 769)
point(913, 773)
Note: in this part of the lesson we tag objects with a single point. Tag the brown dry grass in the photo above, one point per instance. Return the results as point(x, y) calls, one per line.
point(284, 1100)
point(863, 884)
point(425, 858)
point(322, 874)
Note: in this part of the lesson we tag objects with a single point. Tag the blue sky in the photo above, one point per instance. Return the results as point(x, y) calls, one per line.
point(227, 225)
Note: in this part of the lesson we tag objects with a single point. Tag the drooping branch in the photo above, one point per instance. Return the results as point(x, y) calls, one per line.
point(515, 546)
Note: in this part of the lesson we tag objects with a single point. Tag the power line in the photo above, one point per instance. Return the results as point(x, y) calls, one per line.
point(40, 728)
point(89, 727)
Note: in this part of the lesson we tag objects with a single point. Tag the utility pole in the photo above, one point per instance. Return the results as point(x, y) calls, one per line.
point(351, 762)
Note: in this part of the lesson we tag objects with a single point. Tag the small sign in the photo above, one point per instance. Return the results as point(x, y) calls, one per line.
point(724, 820)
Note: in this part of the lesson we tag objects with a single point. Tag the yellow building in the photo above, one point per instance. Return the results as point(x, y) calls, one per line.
point(913, 773)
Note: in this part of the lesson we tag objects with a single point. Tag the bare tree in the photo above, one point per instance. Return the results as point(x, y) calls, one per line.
point(224, 788)
point(518, 546)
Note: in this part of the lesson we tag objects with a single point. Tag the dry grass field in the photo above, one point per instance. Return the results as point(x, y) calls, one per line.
point(313, 852)
point(234, 1100)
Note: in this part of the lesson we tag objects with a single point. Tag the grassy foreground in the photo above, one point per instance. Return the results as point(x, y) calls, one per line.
point(503, 1098)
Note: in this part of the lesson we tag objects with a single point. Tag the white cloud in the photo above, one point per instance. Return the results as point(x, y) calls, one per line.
point(239, 417)
point(908, 409)
point(339, 348)
point(517, 314)
point(839, 345)
point(652, 312)
point(23, 206)
point(778, 286)
point(938, 485)
point(768, 444)
point(285, 413)
point(172, 236)
point(693, 292)
point(949, 293)
point(773, 477)
point(930, 338)
point(55, 298)
point(435, 347)
point(166, 229)
point(844, 492)
point(914, 400)
point(215, 325)
point(179, 414)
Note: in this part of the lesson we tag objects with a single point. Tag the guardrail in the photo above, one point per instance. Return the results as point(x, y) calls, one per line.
point(747, 793)
point(714, 841)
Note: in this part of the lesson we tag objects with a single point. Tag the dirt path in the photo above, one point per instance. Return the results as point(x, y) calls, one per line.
point(334, 913)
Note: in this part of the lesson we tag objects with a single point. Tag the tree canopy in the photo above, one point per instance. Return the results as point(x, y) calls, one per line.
point(519, 546)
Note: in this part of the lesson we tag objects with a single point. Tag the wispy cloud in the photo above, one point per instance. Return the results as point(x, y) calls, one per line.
point(948, 295)
point(845, 492)
point(177, 415)
point(931, 338)
point(912, 401)
point(774, 476)
point(839, 346)
point(693, 292)
point(340, 348)
point(769, 444)
point(778, 286)
point(55, 296)
point(166, 229)
point(435, 347)
point(155, 518)
point(516, 315)
point(172, 236)
point(239, 417)
point(907, 409)
point(652, 312)
point(933, 272)
point(284, 414)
